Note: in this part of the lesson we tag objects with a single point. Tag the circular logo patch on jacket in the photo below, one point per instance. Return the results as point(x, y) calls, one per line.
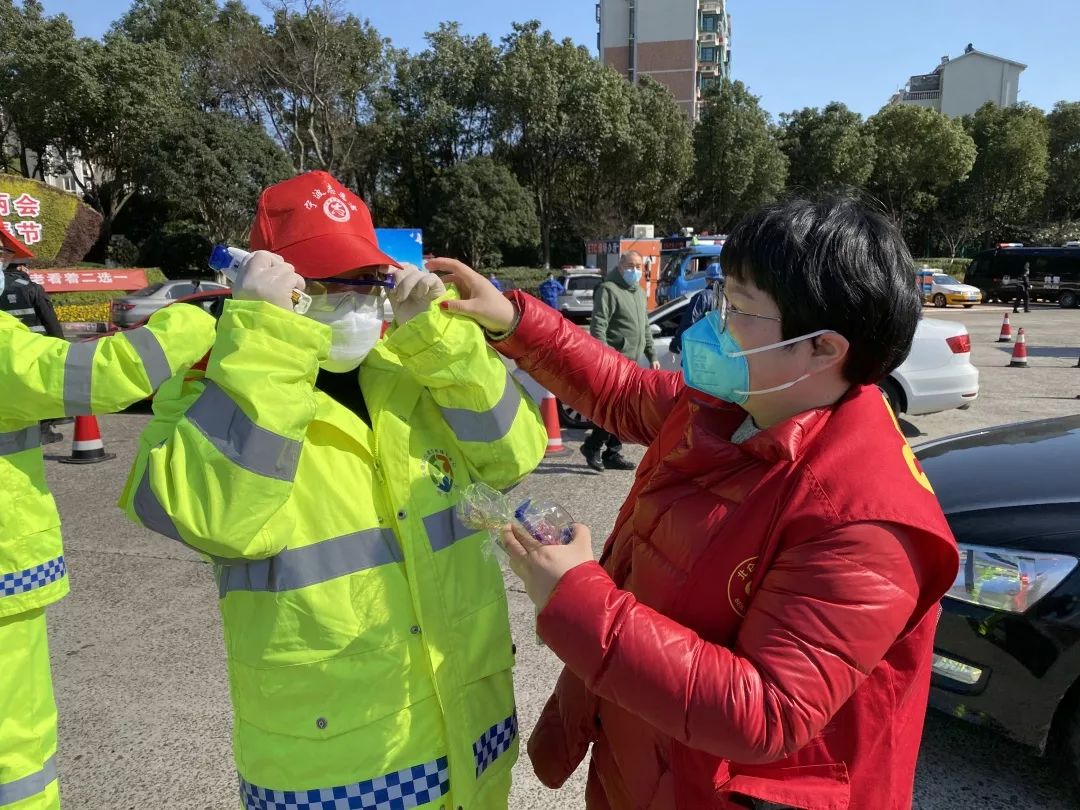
point(738, 586)
point(439, 467)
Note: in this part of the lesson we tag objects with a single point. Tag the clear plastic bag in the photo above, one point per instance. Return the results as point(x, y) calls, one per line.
point(482, 507)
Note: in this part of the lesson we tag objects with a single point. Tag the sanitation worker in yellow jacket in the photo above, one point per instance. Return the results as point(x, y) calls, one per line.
point(318, 466)
point(47, 378)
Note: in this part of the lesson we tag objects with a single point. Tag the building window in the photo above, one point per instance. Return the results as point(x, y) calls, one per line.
point(708, 54)
point(708, 23)
point(705, 82)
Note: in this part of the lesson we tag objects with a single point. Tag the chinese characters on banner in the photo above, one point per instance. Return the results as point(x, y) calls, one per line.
point(76, 280)
point(28, 209)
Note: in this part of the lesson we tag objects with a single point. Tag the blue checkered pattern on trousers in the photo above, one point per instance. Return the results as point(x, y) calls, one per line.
point(494, 742)
point(36, 577)
point(401, 790)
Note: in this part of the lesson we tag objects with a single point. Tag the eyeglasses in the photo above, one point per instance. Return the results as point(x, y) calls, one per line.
point(367, 283)
point(724, 308)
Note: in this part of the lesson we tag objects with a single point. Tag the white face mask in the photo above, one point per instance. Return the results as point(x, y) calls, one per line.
point(355, 321)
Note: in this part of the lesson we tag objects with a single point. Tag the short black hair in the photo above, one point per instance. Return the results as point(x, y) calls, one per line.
point(833, 264)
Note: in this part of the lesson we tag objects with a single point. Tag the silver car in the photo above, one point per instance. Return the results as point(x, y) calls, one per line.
point(576, 303)
point(133, 309)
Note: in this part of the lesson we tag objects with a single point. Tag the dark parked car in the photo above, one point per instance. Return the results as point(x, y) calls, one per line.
point(1055, 274)
point(1007, 652)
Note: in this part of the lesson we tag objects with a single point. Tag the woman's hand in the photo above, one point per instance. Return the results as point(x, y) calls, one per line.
point(541, 567)
point(479, 298)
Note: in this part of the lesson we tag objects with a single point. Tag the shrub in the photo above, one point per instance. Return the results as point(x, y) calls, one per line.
point(122, 251)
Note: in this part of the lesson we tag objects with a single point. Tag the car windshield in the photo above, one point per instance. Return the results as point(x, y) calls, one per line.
point(943, 279)
point(671, 269)
point(145, 291)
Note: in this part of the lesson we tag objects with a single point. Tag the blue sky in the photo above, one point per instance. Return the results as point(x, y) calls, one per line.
point(792, 53)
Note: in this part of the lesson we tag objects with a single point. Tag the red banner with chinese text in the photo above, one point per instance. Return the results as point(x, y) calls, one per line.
point(74, 280)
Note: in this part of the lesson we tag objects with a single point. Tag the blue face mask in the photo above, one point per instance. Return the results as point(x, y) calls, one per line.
point(631, 277)
point(714, 363)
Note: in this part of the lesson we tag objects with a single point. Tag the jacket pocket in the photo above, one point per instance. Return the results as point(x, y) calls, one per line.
point(282, 699)
point(807, 787)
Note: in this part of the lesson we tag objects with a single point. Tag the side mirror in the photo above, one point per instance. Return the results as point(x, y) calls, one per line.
point(655, 330)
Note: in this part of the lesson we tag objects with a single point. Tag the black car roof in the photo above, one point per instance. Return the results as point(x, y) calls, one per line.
point(1071, 252)
point(1024, 464)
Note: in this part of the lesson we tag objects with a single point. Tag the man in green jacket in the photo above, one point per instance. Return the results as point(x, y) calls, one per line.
point(620, 320)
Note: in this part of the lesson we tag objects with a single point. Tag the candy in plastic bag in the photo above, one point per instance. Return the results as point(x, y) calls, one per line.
point(482, 507)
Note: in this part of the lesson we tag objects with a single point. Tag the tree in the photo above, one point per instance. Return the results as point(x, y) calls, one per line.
point(189, 30)
point(1063, 186)
point(310, 79)
point(440, 112)
point(112, 118)
point(483, 210)
point(560, 114)
point(737, 162)
point(918, 152)
point(43, 66)
point(1007, 184)
point(644, 180)
point(827, 149)
point(210, 169)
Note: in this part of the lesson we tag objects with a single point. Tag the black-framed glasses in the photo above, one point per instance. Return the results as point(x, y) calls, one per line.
point(724, 308)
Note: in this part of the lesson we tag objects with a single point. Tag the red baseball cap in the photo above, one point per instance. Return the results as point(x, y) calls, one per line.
point(9, 242)
point(318, 226)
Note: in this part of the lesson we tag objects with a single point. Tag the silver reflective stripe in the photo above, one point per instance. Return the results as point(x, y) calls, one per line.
point(26, 311)
point(11, 792)
point(152, 356)
point(19, 440)
point(239, 439)
point(444, 529)
point(38, 329)
point(77, 370)
point(486, 426)
point(310, 565)
point(150, 511)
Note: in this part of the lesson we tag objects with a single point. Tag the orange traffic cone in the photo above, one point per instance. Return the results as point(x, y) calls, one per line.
point(549, 410)
point(87, 447)
point(1006, 331)
point(1019, 355)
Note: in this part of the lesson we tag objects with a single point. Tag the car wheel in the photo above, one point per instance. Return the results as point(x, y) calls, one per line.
point(894, 394)
point(569, 418)
point(1068, 300)
point(940, 302)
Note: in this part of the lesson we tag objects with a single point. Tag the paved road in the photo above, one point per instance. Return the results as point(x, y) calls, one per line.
point(138, 657)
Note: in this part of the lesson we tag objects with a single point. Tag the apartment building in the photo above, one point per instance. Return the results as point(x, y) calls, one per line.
point(683, 44)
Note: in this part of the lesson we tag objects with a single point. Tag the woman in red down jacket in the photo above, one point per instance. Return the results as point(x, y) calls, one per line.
point(758, 631)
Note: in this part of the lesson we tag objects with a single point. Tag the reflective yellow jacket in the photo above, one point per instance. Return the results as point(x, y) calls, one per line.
point(45, 378)
point(366, 629)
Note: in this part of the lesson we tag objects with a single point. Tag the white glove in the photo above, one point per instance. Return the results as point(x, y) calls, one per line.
point(413, 292)
point(265, 276)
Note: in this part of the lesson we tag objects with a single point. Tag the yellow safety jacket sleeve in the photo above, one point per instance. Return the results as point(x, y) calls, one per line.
point(498, 426)
point(47, 378)
point(219, 457)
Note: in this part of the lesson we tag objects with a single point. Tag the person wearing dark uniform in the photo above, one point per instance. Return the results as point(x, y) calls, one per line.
point(1023, 290)
point(29, 302)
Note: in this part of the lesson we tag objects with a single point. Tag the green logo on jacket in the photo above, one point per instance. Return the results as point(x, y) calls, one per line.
point(440, 469)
